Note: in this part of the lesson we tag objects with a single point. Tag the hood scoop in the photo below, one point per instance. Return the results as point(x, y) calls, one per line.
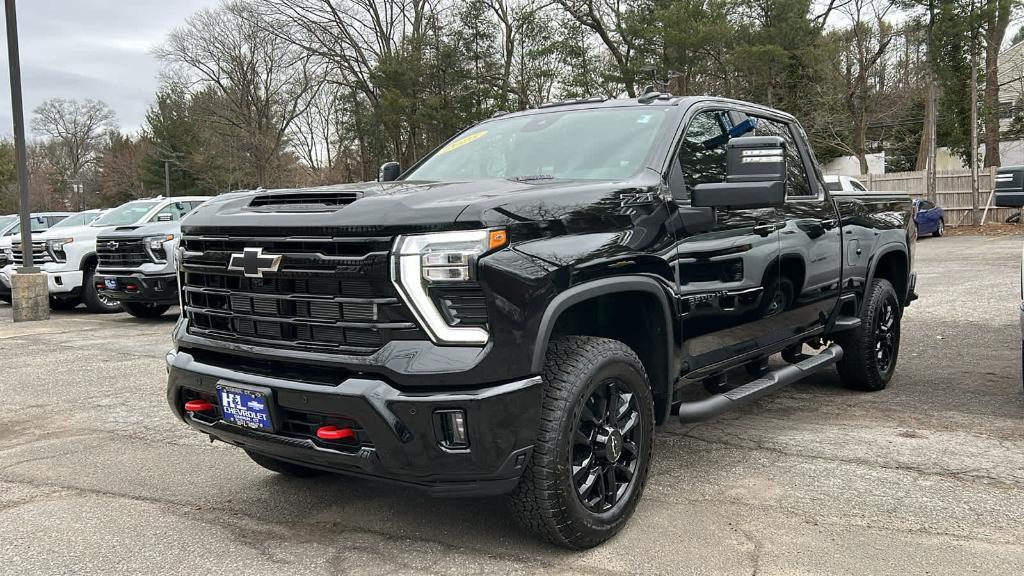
point(303, 201)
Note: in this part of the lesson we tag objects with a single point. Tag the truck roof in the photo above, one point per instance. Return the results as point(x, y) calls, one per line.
point(653, 99)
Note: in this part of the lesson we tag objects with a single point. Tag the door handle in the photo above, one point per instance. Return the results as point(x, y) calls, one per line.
point(765, 229)
point(829, 223)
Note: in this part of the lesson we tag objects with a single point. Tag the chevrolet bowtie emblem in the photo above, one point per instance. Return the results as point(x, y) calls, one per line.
point(112, 245)
point(253, 263)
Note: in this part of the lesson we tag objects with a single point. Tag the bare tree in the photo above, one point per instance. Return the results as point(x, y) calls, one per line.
point(608, 19)
point(867, 41)
point(76, 131)
point(263, 81)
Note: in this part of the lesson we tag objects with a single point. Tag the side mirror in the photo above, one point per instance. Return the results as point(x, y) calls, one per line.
point(756, 176)
point(164, 217)
point(389, 171)
point(1009, 187)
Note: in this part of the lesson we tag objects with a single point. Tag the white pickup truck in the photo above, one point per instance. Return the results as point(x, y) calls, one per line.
point(68, 255)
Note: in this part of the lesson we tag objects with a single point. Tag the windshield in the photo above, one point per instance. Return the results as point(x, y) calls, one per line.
point(126, 214)
point(6, 221)
point(594, 144)
point(80, 219)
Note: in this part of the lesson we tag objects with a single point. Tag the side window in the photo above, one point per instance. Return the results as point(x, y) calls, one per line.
point(798, 184)
point(858, 186)
point(702, 157)
point(175, 209)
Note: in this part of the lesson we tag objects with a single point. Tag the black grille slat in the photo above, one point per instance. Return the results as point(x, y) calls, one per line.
point(328, 294)
point(111, 253)
point(461, 306)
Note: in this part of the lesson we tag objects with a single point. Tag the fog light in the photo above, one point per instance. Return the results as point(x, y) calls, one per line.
point(452, 430)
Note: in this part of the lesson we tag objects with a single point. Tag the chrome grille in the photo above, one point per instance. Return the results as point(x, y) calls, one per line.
point(116, 253)
point(39, 253)
point(329, 294)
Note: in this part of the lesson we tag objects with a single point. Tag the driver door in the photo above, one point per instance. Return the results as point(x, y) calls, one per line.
point(726, 276)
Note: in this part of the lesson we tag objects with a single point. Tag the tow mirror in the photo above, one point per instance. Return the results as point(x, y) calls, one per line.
point(755, 178)
point(1009, 187)
point(389, 171)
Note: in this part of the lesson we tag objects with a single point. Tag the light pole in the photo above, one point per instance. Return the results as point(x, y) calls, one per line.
point(30, 297)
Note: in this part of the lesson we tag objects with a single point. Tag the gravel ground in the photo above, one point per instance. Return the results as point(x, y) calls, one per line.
point(926, 477)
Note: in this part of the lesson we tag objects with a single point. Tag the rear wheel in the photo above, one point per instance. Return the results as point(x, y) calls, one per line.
point(282, 467)
point(93, 299)
point(145, 310)
point(591, 458)
point(64, 303)
point(870, 351)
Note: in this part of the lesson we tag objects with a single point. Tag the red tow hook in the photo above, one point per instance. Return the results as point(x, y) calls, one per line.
point(198, 406)
point(335, 433)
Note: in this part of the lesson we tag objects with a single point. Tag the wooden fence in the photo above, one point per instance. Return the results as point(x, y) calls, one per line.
point(952, 192)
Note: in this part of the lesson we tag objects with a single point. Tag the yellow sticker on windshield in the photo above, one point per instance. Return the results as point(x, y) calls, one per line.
point(462, 142)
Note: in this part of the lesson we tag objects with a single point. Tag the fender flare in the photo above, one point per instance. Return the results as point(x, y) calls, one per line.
point(887, 248)
point(85, 258)
point(604, 286)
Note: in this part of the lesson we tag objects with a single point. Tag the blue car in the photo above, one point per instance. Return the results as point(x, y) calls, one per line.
point(929, 218)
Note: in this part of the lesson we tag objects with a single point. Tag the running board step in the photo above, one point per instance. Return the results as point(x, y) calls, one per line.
point(709, 408)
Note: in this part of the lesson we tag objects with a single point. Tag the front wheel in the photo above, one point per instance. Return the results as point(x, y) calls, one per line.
point(93, 299)
point(592, 454)
point(940, 229)
point(870, 350)
point(145, 309)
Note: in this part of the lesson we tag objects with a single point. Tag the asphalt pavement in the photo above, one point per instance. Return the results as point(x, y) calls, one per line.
point(926, 477)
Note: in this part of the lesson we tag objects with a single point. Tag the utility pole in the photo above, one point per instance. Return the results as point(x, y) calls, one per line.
point(974, 127)
point(933, 102)
point(167, 178)
point(29, 293)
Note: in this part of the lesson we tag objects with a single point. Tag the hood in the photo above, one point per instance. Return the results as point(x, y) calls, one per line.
point(407, 207)
point(142, 231)
point(85, 232)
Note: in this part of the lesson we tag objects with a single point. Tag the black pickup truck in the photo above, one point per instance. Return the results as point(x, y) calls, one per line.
point(517, 312)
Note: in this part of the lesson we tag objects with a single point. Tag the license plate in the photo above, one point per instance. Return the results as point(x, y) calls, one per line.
point(242, 407)
point(111, 283)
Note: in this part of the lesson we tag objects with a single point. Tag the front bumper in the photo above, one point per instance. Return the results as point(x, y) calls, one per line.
point(160, 290)
point(63, 281)
point(57, 281)
point(502, 422)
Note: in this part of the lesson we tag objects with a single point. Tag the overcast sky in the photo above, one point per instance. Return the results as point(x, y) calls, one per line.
point(98, 49)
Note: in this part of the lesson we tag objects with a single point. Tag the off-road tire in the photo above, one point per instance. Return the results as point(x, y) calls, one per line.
point(545, 501)
point(145, 310)
point(282, 467)
point(91, 296)
point(860, 369)
point(59, 304)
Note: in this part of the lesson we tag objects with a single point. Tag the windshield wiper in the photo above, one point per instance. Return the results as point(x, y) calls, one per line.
point(532, 177)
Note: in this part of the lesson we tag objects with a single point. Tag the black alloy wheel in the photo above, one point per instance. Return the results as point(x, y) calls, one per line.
point(886, 336)
point(606, 446)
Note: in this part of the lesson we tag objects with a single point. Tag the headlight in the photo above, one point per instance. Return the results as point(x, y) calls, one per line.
point(56, 248)
point(444, 258)
point(154, 245)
